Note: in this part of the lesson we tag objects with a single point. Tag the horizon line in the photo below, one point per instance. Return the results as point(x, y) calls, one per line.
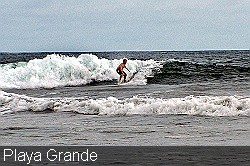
point(128, 51)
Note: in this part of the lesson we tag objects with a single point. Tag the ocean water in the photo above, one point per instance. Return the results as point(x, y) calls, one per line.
point(175, 98)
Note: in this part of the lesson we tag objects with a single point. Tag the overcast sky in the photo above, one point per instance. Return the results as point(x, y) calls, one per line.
point(112, 25)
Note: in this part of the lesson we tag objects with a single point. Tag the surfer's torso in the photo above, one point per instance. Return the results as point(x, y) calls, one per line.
point(120, 67)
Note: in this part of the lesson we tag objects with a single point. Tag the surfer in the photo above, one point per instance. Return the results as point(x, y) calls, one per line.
point(120, 71)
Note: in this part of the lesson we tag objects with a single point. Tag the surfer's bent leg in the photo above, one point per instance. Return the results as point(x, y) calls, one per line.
point(125, 75)
point(120, 73)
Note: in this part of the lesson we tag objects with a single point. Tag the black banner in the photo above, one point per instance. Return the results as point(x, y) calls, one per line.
point(124, 155)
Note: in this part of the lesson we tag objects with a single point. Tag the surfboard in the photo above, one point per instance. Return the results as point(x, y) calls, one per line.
point(129, 79)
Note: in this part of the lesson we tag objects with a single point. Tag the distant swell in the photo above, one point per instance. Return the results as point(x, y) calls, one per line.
point(178, 72)
point(190, 105)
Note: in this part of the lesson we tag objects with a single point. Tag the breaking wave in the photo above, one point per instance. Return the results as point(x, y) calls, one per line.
point(190, 105)
point(59, 70)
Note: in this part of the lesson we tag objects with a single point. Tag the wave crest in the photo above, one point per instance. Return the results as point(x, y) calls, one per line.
point(59, 70)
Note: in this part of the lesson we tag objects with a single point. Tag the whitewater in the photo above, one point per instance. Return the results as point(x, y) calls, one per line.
point(59, 70)
point(201, 105)
point(175, 98)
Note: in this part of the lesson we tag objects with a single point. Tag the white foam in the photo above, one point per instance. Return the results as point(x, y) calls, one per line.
point(190, 105)
point(11, 103)
point(58, 70)
point(203, 105)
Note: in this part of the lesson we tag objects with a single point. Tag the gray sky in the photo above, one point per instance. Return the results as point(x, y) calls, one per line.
point(109, 25)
